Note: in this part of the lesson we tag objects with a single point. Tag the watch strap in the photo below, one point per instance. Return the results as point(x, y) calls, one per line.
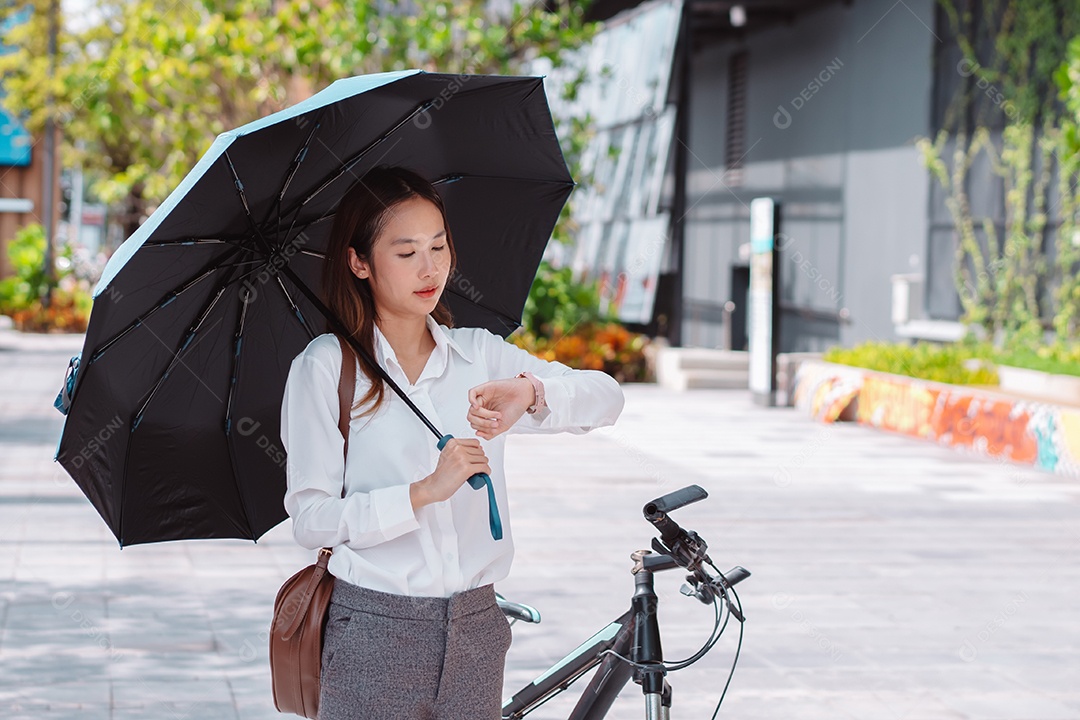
point(538, 388)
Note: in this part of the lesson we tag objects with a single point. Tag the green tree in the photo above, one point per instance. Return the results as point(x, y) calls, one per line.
point(148, 86)
point(1006, 120)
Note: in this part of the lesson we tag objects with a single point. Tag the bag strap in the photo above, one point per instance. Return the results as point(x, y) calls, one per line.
point(346, 391)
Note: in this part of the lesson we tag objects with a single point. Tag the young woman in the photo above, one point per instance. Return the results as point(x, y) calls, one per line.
point(414, 631)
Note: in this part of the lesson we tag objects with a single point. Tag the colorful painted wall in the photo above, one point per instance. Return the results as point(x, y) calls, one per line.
point(984, 422)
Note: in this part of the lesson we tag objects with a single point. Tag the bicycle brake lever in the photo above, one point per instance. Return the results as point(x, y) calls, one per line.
point(733, 610)
point(717, 587)
point(693, 587)
point(688, 550)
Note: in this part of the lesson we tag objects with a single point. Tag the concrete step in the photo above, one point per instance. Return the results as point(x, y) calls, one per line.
point(684, 368)
point(715, 379)
point(705, 358)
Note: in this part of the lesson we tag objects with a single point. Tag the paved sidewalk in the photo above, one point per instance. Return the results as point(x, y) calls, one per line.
point(892, 579)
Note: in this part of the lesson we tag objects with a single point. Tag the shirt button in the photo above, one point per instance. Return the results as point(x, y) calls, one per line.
point(449, 557)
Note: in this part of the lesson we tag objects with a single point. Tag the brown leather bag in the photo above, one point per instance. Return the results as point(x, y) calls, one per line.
point(296, 633)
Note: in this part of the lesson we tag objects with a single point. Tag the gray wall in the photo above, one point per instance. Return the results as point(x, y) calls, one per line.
point(842, 161)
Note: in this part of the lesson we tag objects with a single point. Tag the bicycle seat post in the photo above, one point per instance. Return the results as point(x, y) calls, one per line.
point(646, 649)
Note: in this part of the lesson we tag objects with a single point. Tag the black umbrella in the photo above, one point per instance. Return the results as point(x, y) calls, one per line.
point(173, 414)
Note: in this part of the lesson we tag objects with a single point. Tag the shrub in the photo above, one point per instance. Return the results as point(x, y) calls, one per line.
point(20, 294)
point(958, 364)
point(562, 322)
point(1056, 359)
point(593, 346)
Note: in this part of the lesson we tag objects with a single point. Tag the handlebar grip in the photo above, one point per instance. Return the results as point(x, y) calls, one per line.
point(736, 575)
point(675, 500)
point(657, 510)
point(670, 531)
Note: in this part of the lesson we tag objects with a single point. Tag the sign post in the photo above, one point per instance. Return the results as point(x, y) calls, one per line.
point(763, 317)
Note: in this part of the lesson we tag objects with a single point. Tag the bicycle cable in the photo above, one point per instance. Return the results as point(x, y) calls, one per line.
point(718, 630)
point(714, 637)
point(738, 646)
point(664, 666)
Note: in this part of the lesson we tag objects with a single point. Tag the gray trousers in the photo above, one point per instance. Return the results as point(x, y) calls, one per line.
point(400, 657)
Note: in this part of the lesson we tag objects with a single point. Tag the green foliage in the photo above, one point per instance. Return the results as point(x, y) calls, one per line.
point(557, 303)
point(998, 277)
point(27, 283)
point(148, 87)
point(1056, 359)
point(1012, 52)
point(22, 293)
point(1011, 48)
point(1067, 291)
point(963, 363)
point(958, 364)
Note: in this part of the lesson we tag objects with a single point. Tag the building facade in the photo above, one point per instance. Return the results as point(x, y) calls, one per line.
point(818, 105)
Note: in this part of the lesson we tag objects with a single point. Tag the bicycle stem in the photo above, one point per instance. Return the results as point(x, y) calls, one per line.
point(646, 649)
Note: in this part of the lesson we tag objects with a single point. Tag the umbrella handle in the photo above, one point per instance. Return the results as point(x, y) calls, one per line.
point(478, 481)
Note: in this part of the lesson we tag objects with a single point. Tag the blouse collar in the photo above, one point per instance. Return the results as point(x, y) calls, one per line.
point(443, 343)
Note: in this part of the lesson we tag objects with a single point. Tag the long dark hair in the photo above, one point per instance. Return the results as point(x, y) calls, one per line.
point(363, 212)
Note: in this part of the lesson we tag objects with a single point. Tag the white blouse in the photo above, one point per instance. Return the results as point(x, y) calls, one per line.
point(379, 541)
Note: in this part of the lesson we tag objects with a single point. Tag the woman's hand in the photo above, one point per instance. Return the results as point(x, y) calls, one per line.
point(496, 405)
point(459, 460)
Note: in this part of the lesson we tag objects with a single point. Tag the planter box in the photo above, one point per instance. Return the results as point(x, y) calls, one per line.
point(1063, 389)
point(1021, 427)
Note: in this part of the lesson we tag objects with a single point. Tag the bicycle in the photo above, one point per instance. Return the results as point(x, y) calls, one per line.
point(629, 647)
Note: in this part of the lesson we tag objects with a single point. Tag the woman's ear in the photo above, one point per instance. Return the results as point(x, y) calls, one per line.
point(359, 267)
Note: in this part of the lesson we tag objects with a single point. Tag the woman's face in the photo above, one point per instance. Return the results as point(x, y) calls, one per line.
point(410, 255)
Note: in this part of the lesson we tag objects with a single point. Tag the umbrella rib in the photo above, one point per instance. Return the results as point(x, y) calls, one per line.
point(301, 155)
point(295, 308)
point(418, 109)
point(192, 241)
point(238, 340)
point(229, 439)
point(165, 299)
point(243, 199)
point(304, 226)
point(348, 164)
point(512, 322)
point(138, 416)
point(192, 330)
point(447, 179)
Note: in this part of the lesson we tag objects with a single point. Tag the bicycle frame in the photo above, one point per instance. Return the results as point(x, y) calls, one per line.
point(634, 635)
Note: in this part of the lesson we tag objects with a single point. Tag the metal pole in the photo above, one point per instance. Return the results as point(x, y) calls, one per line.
point(729, 310)
point(49, 165)
point(75, 215)
point(678, 210)
point(653, 708)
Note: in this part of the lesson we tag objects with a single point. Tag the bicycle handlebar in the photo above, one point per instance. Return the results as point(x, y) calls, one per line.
point(684, 548)
point(675, 500)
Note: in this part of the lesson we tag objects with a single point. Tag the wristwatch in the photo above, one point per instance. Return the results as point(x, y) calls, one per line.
point(538, 387)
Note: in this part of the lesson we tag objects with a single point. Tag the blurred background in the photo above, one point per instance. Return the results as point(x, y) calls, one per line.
point(921, 156)
point(865, 209)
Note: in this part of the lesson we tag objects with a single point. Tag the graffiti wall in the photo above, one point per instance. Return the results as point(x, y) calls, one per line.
point(987, 423)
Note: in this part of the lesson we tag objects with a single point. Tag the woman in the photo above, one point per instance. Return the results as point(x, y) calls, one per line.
point(414, 630)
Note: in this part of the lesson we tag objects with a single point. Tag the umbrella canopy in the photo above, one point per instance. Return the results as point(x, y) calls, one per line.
point(173, 426)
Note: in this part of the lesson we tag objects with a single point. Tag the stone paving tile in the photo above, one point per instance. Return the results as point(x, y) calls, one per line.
point(892, 579)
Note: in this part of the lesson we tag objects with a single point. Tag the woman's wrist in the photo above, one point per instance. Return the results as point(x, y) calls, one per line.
point(418, 493)
point(528, 391)
point(533, 400)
